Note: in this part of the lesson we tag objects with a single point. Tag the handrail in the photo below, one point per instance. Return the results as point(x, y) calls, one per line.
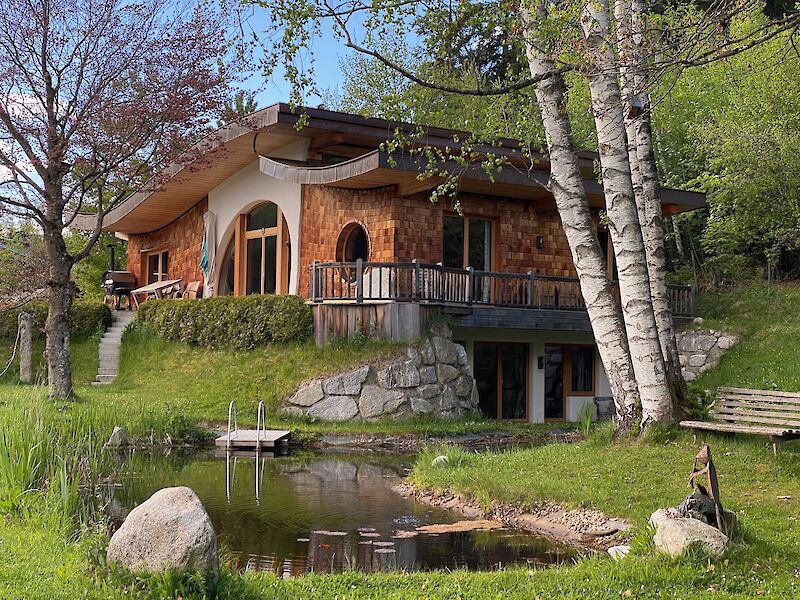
point(231, 411)
point(261, 418)
point(431, 283)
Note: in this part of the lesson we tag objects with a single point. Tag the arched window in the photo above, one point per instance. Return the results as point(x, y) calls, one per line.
point(257, 259)
point(353, 243)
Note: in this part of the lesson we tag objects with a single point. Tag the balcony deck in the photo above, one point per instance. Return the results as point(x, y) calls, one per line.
point(396, 299)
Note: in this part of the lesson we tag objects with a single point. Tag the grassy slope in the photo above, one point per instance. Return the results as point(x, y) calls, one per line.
point(618, 479)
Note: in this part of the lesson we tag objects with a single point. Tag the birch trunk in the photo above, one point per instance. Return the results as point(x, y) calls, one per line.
point(624, 226)
point(566, 185)
point(630, 29)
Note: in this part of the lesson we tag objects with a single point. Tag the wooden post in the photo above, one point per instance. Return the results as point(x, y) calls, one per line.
point(359, 281)
point(312, 285)
point(470, 280)
point(25, 348)
point(417, 280)
point(530, 288)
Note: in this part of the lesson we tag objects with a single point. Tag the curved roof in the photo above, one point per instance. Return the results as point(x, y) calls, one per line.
point(185, 182)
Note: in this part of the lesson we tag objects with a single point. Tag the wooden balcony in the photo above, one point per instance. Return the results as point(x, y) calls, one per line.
point(380, 282)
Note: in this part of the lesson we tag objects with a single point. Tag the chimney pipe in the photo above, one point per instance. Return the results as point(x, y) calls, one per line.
point(112, 263)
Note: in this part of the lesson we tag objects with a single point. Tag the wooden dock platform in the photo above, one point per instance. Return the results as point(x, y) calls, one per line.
point(248, 439)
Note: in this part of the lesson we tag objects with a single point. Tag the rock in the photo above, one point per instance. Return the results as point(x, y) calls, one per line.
point(697, 321)
point(619, 552)
point(333, 385)
point(463, 386)
point(414, 356)
point(442, 459)
point(705, 342)
point(419, 405)
point(441, 330)
point(334, 408)
point(447, 400)
point(352, 381)
point(429, 391)
point(675, 534)
point(427, 353)
point(461, 355)
point(683, 359)
point(688, 375)
point(169, 531)
point(374, 399)
point(726, 341)
point(308, 394)
point(399, 375)
point(446, 373)
point(294, 411)
point(427, 375)
point(118, 439)
point(697, 360)
point(444, 350)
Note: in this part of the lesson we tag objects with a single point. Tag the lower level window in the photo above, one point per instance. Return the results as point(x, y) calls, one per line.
point(501, 375)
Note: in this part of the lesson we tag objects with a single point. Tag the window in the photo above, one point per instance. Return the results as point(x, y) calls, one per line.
point(353, 243)
point(608, 252)
point(501, 376)
point(467, 242)
point(259, 263)
point(157, 266)
point(569, 371)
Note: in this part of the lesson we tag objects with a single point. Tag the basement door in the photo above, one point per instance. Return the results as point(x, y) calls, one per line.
point(501, 376)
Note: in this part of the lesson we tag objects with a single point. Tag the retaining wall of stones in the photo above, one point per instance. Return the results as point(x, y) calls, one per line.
point(700, 349)
point(432, 378)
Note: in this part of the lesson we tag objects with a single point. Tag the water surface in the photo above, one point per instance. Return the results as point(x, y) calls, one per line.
point(323, 513)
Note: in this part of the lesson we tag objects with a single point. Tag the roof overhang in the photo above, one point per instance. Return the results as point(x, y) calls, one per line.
point(184, 183)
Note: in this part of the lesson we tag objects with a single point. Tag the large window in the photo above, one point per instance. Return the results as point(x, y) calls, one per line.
point(353, 243)
point(568, 371)
point(157, 266)
point(467, 242)
point(501, 375)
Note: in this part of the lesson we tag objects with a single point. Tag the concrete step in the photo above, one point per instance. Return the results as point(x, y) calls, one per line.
point(107, 371)
point(101, 383)
point(105, 378)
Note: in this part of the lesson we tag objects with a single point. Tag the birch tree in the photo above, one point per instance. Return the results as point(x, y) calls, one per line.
point(95, 96)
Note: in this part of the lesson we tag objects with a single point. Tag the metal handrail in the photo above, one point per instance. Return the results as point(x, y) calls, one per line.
point(261, 418)
point(231, 411)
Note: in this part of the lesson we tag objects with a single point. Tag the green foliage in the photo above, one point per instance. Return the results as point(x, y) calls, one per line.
point(88, 273)
point(238, 322)
point(85, 319)
point(585, 419)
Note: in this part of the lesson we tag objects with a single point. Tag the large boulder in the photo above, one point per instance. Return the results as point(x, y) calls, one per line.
point(675, 534)
point(171, 531)
point(334, 408)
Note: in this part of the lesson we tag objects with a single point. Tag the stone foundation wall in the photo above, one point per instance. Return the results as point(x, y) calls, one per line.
point(432, 378)
point(700, 349)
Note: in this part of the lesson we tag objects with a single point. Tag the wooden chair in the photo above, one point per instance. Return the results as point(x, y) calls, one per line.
point(755, 412)
point(193, 290)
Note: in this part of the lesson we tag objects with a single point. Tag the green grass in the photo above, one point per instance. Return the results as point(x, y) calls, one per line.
point(768, 323)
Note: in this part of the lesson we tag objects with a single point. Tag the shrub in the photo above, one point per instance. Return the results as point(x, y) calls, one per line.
point(239, 322)
point(86, 318)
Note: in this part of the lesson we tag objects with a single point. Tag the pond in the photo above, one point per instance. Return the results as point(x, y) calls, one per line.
point(322, 513)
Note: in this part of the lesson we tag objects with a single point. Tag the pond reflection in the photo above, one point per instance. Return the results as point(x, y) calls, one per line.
point(322, 513)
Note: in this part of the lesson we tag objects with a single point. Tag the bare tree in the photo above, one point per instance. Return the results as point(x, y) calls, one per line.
point(95, 96)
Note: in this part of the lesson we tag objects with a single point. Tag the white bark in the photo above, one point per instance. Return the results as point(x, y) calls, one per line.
point(630, 29)
point(624, 227)
point(566, 185)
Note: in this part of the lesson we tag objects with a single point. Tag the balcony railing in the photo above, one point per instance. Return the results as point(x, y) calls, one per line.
point(361, 281)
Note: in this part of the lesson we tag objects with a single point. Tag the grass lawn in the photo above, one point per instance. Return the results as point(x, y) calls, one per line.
point(159, 380)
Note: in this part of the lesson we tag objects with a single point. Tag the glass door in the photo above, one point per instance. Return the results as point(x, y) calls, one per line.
point(501, 376)
point(261, 250)
point(554, 383)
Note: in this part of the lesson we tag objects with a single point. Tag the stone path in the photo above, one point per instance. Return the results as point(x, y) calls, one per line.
point(109, 347)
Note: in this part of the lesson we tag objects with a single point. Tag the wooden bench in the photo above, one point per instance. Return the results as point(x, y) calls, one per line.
point(755, 412)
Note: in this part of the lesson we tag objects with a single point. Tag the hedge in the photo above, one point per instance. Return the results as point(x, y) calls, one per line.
point(86, 318)
point(239, 322)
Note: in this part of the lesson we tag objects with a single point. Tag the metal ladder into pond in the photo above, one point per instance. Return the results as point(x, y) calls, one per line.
point(260, 438)
point(230, 472)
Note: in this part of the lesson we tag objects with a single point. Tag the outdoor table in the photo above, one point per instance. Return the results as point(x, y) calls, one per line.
point(156, 289)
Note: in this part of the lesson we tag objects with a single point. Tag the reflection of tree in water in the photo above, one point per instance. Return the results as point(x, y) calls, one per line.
point(320, 513)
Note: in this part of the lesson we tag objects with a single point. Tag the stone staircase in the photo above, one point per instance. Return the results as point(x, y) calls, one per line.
point(109, 347)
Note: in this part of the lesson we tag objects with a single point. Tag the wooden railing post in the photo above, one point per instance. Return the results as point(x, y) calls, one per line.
point(313, 282)
point(417, 286)
point(470, 283)
point(530, 288)
point(691, 300)
point(359, 281)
